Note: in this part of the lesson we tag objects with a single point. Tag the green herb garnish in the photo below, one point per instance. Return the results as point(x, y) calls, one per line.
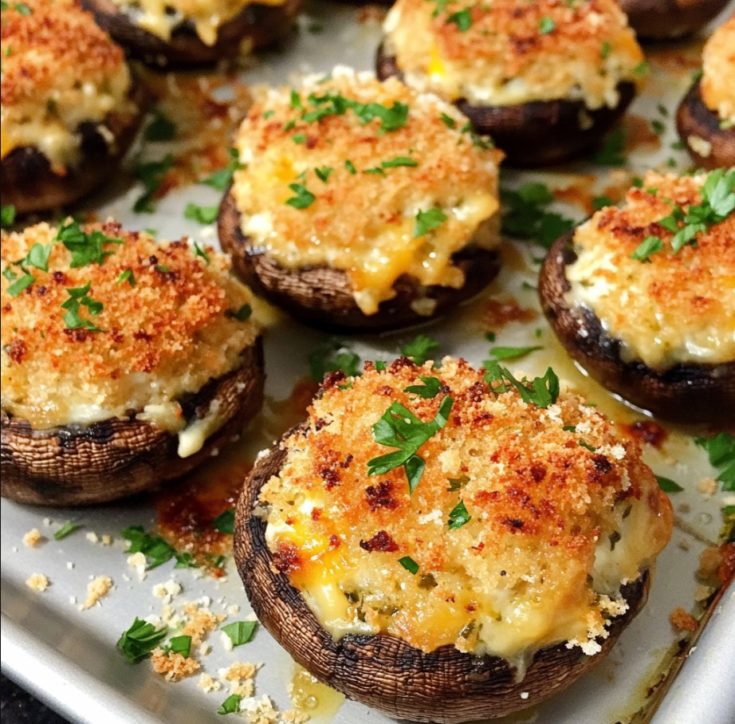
point(222, 178)
point(503, 353)
point(231, 705)
point(459, 516)
point(302, 199)
point(526, 215)
point(409, 564)
point(721, 452)
point(333, 356)
point(202, 214)
point(419, 348)
point(240, 632)
point(67, 529)
point(155, 549)
point(540, 391)
point(668, 485)
point(431, 388)
point(151, 175)
point(139, 640)
point(78, 298)
point(85, 247)
point(161, 128)
point(225, 522)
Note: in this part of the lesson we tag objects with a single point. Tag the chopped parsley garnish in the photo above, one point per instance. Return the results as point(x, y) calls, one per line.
point(605, 49)
point(242, 314)
point(399, 161)
point(428, 220)
point(546, 25)
point(126, 276)
point(462, 19)
point(459, 516)
point(540, 391)
point(139, 640)
point(612, 151)
point(231, 705)
point(222, 178)
point(401, 429)
point(199, 251)
point(7, 215)
point(721, 451)
point(431, 388)
point(240, 632)
point(525, 214)
point(155, 549)
point(78, 298)
point(587, 446)
point(22, 8)
point(296, 99)
point(302, 199)
point(161, 128)
point(20, 284)
point(419, 348)
point(202, 214)
point(225, 522)
point(67, 529)
point(299, 138)
point(448, 121)
point(650, 245)
point(503, 353)
point(350, 167)
point(151, 174)
point(409, 564)
point(600, 202)
point(179, 645)
point(85, 247)
point(641, 68)
point(668, 485)
point(658, 126)
point(457, 483)
point(333, 356)
point(37, 257)
point(484, 142)
point(391, 119)
point(323, 173)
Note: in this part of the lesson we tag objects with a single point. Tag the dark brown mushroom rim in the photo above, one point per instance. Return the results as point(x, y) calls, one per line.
point(384, 672)
point(74, 465)
point(28, 183)
point(686, 392)
point(669, 19)
point(324, 297)
point(538, 133)
point(261, 25)
point(695, 119)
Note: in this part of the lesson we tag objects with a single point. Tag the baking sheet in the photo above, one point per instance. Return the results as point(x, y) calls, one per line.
point(68, 657)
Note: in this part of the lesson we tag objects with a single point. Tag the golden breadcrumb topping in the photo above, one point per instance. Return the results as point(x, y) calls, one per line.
point(368, 177)
point(173, 666)
point(162, 17)
point(84, 341)
point(507, 52)
point(718, 77)
point(519, 533)
point(676, 306)
point(59, 70)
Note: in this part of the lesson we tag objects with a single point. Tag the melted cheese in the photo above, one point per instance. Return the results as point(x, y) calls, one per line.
point(162, 17)
point(674, 308)
point(555, 529)
point(718, 76)
point(363, 220)
point(161, 338)
point(59, 70)
point(504, 58)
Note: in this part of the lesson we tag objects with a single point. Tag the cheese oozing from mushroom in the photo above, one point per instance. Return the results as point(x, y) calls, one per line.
point(130, 335)
point(505, 53)
point(676, 306)
point(718, 76)
point(371, 178)
point(60, 70)
point(162, 17)
point(550, 531)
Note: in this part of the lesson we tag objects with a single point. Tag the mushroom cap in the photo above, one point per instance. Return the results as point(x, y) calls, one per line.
point(669, 19)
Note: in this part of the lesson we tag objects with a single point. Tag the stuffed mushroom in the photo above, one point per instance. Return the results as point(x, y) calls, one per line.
point(706, 116)
point(446, 544)
point(670, 19)
point(642, 296)
point(545, 79)
point(193, 32)
point(360, 204)
point(70, 108)
point(125, 362)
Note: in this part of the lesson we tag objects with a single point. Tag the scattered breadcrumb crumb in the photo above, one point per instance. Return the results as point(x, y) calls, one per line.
point(682, 620)
point(106, 539)
point(173, 666)
point(208, 684)
point(69, 565)
point(33, 538)
point(167, 591)
point(137, 562)
point(294, 716)
point(97, 588)
point(239, 671)
point(259, 711)
point(92, 537)
point(201, 621)
point(38, 582)
point(707, 487)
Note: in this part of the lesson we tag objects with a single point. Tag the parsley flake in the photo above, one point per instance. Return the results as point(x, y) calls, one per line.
point(668, 485)
point(231, 705)
point(78, 298)
point(161, 128)
point(240, 632)
point(333, 356)
point(429, 220)
point(66, 530)
point(303, 197)
point(202, 214)
point(546, 25)
point(503, 353)
point(225, 522)
point(419, 348)
point(650, 245)
point(721, 452)
point(540, 391)
point(139, 640)
point(459, 516)
point(151, 175)
point(222, 178)
point(7, 215)
point(409, 564)
point(526, 215)
point(431, 388)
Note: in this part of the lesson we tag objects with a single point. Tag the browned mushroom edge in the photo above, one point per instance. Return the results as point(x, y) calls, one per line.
point(538, 133)
point(74, 465)
point(261, 25)
point(323, 295)
point(383, 671)
point(693, 118)
point(669, 19)
point(28, 183)
point(686, 392)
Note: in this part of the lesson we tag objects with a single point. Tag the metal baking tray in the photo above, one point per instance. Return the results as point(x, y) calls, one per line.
point(67, 657)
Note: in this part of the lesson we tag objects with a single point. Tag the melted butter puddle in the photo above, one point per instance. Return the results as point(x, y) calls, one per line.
point(310, 696)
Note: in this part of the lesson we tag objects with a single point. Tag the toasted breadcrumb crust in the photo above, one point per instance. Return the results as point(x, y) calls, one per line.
point(162, 17)
point(363, 217)
point(505, 52)
point(173, 666)
point(200, 621)
point(562, 511)
point(167, 329)
point(59, 70)
point(97, 589)
point(676, 307)
point(718, 77)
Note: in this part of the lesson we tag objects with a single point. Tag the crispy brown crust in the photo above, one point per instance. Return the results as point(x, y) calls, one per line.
point(262, 25)
point(688, 392)
point(693, 118)
point(119, 457)
point(28, 183)
point(538, 133)
point(669, 19)
point(323, 296)
point(383, 671)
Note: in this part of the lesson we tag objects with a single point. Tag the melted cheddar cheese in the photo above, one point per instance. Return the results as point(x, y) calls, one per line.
point(162, 17)
point(324, 182)
point(59, 70)
point(165, 329)
point(718, 76)
point(505, 52)
point(562, 511)
point(676, 307)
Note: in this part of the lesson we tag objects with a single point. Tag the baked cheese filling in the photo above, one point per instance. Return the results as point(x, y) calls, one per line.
point(371, 178)
point(718, 76)
point(162, 17)
point(523, 524)
point(60, 70)
point(101, 323)
point(659, 272)
point(505, 53)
